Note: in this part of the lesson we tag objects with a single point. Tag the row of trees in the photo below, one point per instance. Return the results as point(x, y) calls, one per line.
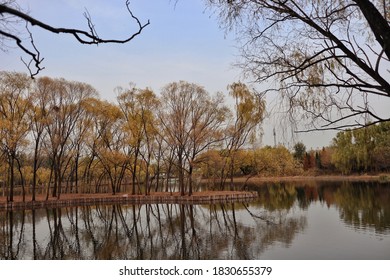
point(351, 151)
point(60, 134)
point(266, 161)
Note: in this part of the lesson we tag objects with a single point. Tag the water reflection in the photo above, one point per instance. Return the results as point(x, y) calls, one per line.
point(366, 206)
point(360, 204)
point(174, 231)
point(171, 231)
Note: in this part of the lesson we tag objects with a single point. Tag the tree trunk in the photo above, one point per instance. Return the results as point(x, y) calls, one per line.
point(21, 179)
point(181, 175)
point(378, 24)
point(134, 177)
point(76, 167)
point(35, 168)
point(48, 184)
point(11, 179)
point(190, 180)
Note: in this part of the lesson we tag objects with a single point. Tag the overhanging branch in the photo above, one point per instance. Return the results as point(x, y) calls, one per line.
point(82, 36)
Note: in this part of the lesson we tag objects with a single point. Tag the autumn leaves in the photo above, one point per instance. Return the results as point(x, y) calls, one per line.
point(60, 135)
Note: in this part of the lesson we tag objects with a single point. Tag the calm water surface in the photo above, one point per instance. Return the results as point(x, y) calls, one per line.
point(311, 220)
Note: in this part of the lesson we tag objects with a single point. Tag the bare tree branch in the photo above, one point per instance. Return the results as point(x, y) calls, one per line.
point(327, 60)
point(89, 37)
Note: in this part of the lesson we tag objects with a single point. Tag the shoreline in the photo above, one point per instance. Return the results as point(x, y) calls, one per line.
point(366, 177)
point(203, 197)
point(70, 200)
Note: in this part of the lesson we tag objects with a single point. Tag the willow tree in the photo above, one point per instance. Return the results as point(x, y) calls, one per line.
point(192, 121)
point(107, 142)
point(137, 106)
point(208, 118)
point(329, 60)
point(248, 115)
point(344, 156)
point(66, 107)
point(38, 115)
point(14, 122)
point(362, 150)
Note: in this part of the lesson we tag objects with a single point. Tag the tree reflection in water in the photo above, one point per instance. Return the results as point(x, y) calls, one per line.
point(364, 206)
point(178, 231)
point(170, 231)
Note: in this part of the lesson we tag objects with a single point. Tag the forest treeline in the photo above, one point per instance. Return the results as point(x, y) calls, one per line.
point(59, 136)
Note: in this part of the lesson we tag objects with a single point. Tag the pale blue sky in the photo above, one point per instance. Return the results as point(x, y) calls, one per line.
point(183, 42)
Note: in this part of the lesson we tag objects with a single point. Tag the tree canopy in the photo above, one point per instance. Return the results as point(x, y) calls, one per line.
point(59, 133)
point(327, 59)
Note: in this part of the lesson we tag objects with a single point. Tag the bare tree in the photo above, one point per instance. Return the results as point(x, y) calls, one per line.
point(327, 59)
point(248, 115)
point(192, 121)
point(137, 106)
point(39, 116)
point(14, 123)
point(107, 141)
point(11, 15)
point(66, 103)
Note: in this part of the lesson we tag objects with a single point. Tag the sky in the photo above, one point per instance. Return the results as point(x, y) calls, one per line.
point(183, 42)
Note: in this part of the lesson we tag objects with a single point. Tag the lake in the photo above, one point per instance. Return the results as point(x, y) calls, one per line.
point(292, 220)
